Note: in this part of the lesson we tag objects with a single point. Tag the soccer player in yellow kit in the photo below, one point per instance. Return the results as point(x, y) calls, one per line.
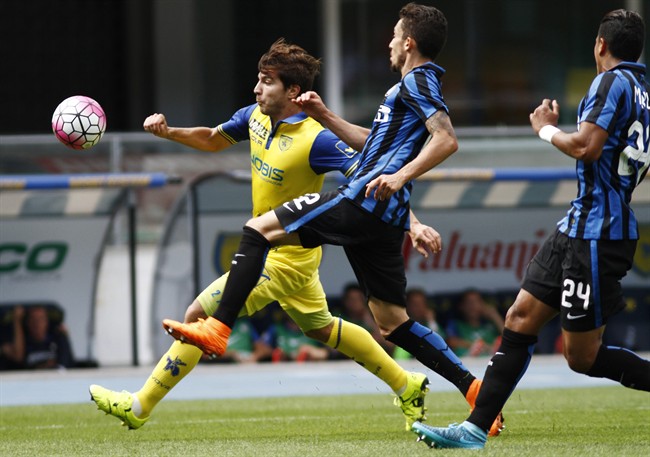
point(290, 152)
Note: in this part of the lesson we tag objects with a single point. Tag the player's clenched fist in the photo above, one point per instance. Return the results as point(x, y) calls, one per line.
point(157, 124)
point(311, 104)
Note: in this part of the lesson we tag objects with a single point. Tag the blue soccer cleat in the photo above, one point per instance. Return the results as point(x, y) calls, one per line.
point(463, 436)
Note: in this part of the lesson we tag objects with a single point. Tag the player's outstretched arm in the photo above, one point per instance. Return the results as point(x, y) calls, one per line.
point(443, 143)
point(351, 134)
point(202, 138)
point(586, 144)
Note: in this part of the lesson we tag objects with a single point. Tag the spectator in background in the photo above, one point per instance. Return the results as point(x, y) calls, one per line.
point(477, 328)
point(288, 342)
point(36, 344)
point(356, 310)
point(420, 310)
point(12, 351)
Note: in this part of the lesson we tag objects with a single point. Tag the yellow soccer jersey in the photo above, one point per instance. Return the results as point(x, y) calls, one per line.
point(290, 160)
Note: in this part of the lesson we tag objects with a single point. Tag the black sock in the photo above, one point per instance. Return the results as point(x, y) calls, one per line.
point(621, 365)
point(504, 371)
point(431, 350)
point(247, 266)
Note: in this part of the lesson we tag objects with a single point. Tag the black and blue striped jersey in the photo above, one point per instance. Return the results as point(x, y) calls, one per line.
point(397, 135)
point(618, 102)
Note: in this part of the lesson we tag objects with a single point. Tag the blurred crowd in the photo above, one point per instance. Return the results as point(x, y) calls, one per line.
point(34, 336)
point(470, 325)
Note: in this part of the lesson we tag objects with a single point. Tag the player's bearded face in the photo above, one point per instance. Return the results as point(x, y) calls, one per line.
point(397, 54)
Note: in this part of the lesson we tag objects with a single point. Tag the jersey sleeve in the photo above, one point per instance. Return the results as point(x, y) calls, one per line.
point(328, 153)
point(600, 105)
point(236, 129)
point(421, 91)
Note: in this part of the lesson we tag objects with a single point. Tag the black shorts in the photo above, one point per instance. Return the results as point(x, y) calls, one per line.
point(373, 247)
point(580, 278)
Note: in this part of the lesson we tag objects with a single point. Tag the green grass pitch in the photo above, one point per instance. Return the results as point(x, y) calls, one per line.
point(602, 421)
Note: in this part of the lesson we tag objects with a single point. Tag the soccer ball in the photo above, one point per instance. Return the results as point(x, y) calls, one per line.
point(79, 122)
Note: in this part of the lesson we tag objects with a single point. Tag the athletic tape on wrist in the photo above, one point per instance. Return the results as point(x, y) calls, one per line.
point(546, 133)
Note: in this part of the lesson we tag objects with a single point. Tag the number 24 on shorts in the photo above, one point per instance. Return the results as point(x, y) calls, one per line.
point(579, 290)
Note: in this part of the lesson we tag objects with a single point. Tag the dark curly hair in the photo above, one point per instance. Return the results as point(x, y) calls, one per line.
point(293, 64)
point(427, 26)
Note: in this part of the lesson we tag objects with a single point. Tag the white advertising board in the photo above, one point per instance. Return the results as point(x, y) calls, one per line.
point(54, 260)
point(484, 248)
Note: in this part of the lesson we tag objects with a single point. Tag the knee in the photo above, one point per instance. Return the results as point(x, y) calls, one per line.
point(581, 360)
point(528, 315)
point(252, 223)
point(194, 312)
point(387, 330)
point(261, 224)
point(320, 334)
point(516, 317)
point(386, 327)
point(267, 229)
point(387, 316)
point(578, 364)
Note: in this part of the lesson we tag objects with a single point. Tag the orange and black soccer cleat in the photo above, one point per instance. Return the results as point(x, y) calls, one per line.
point(209, 335)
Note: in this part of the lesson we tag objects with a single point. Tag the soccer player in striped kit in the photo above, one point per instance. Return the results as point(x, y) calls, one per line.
point(369, 215)
point(290, 152)
point(577, 271)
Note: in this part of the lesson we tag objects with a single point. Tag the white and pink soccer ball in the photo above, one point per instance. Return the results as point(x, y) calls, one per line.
point(79, 122)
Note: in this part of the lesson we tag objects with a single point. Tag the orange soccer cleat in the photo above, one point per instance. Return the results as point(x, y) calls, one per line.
point(472, 393)
point(209, 335)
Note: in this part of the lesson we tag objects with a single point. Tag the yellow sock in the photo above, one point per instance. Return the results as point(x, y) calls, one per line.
point(179, 360)
point(356, 343)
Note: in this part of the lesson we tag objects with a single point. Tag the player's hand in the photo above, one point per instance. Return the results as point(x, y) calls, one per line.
point(311, 104)
point(157, 124)
point(547, 113)
point(383, 186)
point(425, 239)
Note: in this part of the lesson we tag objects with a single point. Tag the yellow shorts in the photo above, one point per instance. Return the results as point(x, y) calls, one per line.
point(290, 277)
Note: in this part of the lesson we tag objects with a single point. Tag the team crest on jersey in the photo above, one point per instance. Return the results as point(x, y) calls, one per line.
point(642, 255)
point(346, 150)
point(285, 142)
